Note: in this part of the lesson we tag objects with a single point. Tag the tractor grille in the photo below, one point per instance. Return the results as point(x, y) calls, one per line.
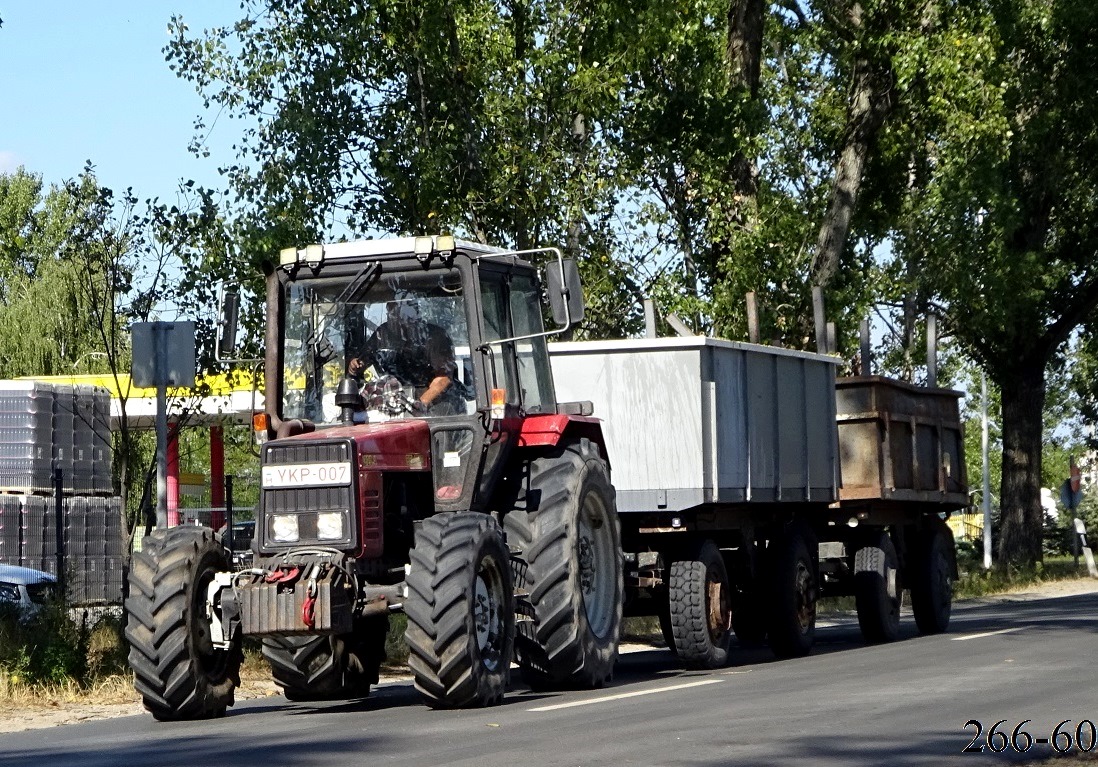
point(307, 502)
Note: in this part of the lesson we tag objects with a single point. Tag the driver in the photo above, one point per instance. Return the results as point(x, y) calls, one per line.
point(417, 352)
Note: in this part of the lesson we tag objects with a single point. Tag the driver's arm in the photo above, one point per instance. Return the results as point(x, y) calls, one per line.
point(358, 358)
point(440, 351)
point(434, 390)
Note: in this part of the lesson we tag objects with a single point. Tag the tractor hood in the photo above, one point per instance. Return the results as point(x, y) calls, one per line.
point(386, 446)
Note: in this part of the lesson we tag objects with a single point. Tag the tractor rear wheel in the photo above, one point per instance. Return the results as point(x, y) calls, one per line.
point(312, 667)
point(461, 611)
point(570, 538)
point(701, 609)
point(791, 627)
point(177, 670)
point(932, 579)
point(877, 589)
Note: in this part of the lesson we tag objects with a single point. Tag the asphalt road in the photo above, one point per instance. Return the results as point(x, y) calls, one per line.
point(846, 704)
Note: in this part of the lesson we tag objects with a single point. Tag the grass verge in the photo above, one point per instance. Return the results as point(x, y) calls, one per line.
point(977, 582)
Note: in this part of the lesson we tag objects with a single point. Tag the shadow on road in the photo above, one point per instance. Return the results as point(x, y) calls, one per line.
point(297, 733)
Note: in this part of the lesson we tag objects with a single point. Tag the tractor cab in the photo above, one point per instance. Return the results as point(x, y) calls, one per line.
point(445, 337)
point(396, 322)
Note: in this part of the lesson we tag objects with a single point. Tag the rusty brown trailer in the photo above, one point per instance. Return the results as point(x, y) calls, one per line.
point(899, 444)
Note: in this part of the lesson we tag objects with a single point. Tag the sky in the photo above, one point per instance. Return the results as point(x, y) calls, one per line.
point(86, 80)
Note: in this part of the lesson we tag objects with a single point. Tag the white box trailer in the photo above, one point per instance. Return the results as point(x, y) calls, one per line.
point(693, 421)
point(728, 461)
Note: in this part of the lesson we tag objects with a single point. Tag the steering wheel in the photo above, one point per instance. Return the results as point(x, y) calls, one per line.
point(389, 395)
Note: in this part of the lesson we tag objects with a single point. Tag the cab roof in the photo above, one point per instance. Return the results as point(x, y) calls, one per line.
point(397, 246)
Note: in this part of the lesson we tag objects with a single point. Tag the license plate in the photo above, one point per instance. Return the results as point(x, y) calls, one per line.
point(306, 474)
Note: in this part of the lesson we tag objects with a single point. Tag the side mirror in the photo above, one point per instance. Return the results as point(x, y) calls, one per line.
point(565, 292)
point(230, 314)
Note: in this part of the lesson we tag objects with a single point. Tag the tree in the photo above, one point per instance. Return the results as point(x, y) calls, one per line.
point(750, 130)
point(79, 265)
point(42, 331)
point(1001, 221)
point(135, 262)
point(472, 117)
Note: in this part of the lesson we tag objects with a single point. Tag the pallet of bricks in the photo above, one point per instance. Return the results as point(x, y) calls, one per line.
point(44, 428)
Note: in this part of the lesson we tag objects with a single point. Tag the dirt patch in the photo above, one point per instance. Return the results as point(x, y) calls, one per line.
point(56, 710)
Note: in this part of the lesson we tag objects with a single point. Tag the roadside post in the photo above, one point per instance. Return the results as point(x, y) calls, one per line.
point(1071, 495)
point(1081, 538)
point(163, 356)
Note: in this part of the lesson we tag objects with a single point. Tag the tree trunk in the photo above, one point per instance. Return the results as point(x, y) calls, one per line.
point(869, 106)
point(743, 57)
point(743, 47)
point(1021, 529)
point(743, 64)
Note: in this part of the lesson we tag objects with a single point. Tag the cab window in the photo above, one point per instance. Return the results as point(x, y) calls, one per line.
point(531, 355)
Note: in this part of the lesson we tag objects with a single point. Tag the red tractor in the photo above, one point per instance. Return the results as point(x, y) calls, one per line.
point(415, 459)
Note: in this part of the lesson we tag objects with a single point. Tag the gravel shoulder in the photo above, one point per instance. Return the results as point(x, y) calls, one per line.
point(44, 713)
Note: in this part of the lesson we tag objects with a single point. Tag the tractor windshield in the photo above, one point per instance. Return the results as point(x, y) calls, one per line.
point(403, 337)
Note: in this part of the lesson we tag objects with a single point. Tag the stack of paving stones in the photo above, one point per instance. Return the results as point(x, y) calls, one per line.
point(45, 427)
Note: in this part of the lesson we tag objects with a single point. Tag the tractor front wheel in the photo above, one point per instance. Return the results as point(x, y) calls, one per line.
point(328, 667)
point(461, 611)
point(178, 671)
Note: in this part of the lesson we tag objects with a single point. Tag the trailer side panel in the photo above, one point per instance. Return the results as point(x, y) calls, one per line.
point(695, 421)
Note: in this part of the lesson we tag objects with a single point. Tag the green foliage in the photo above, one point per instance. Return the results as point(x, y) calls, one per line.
point(1062, 531)
point(43, 327)
point(1001, 220)
point(1083, 377)
point(48, 648)
point(997, 225)
point(79, 264)
point(396, 650)
point(467, 117)
point(106, 649)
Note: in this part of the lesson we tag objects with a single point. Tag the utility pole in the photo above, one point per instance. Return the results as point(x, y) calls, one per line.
point(163, 356)
point(987, 475)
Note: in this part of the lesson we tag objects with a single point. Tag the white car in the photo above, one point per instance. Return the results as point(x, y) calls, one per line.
point(27, 588)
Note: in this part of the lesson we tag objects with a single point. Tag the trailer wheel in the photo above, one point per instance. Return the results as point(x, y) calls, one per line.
point(932, 580)
point(328, 667)
point(877, 589)
point(570, 537)
point(791, 627)
point(177, 670)
point(461, 611)
point(701, 611)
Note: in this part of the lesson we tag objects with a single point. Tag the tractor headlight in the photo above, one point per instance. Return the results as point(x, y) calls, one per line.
point(284, 528)
point(329, 526)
